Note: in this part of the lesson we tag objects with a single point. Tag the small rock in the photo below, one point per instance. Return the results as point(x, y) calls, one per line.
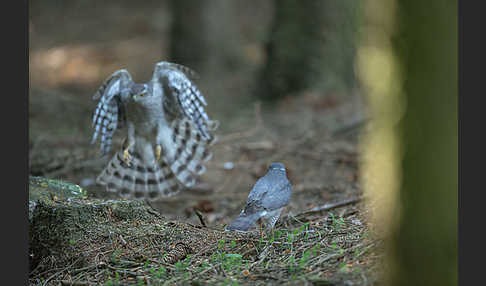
point(228, 165)
point(86, 182)
point(356, 221)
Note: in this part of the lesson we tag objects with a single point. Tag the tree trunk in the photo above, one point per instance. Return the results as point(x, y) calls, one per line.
point(408, 67)
point(188, 44)
point(426, 242)
point(311, 45)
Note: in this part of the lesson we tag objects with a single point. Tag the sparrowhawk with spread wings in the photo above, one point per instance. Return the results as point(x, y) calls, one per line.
point(168, 132)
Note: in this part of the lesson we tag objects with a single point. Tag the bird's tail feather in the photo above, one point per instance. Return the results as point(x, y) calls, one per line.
point(191, 153)
point(243, 222)
point(138, 179)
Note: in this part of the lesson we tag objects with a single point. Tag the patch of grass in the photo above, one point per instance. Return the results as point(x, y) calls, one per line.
point(232, 262)
point(181, 266)
point(316, 249)
point(115, 256)
point(161, 273)
point(220, 243)
point(337, 223)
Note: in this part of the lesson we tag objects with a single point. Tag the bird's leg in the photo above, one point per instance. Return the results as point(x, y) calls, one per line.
point(158, 142)
point(126, 153)
point(158, 150)
point(261, 228)
point(271, 222)
point(130, 142)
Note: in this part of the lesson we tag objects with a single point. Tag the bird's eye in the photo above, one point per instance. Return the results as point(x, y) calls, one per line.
point(143, 94)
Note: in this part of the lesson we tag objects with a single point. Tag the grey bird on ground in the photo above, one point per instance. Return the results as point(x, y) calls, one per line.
point(266, 200)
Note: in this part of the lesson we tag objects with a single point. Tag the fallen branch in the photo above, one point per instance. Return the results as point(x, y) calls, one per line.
point(328, 207)
point(321, 260)
point(57, 273)
point(201, 219)
point(75, 283)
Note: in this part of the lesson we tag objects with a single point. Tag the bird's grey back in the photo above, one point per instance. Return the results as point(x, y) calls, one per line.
point(271, 191)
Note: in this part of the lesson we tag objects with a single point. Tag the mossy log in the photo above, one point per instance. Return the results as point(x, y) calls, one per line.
point(84, 232)
point(44, 189)
point(68, 229)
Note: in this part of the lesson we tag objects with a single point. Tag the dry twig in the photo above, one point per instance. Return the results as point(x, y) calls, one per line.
point(328, 207)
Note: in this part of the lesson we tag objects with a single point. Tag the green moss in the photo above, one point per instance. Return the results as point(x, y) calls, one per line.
point(47, 189)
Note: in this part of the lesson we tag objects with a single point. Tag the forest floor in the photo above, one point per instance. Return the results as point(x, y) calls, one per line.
point(315, 135)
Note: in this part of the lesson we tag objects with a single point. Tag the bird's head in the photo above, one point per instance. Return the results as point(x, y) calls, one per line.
point(277, 166)
point(139, 92)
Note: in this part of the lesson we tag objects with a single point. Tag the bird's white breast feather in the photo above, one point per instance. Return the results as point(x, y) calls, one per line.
point(170, 147)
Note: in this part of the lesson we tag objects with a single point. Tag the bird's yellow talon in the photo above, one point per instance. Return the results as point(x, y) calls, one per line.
point(127, 157)
point(158, 150)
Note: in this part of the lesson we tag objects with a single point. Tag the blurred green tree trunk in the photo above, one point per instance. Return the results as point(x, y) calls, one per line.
point(425, 242)
point(311, 45)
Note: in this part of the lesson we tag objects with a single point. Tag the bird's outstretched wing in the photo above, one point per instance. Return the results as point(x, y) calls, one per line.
point(110, 111)
point(187, 71)
point(181, 96)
